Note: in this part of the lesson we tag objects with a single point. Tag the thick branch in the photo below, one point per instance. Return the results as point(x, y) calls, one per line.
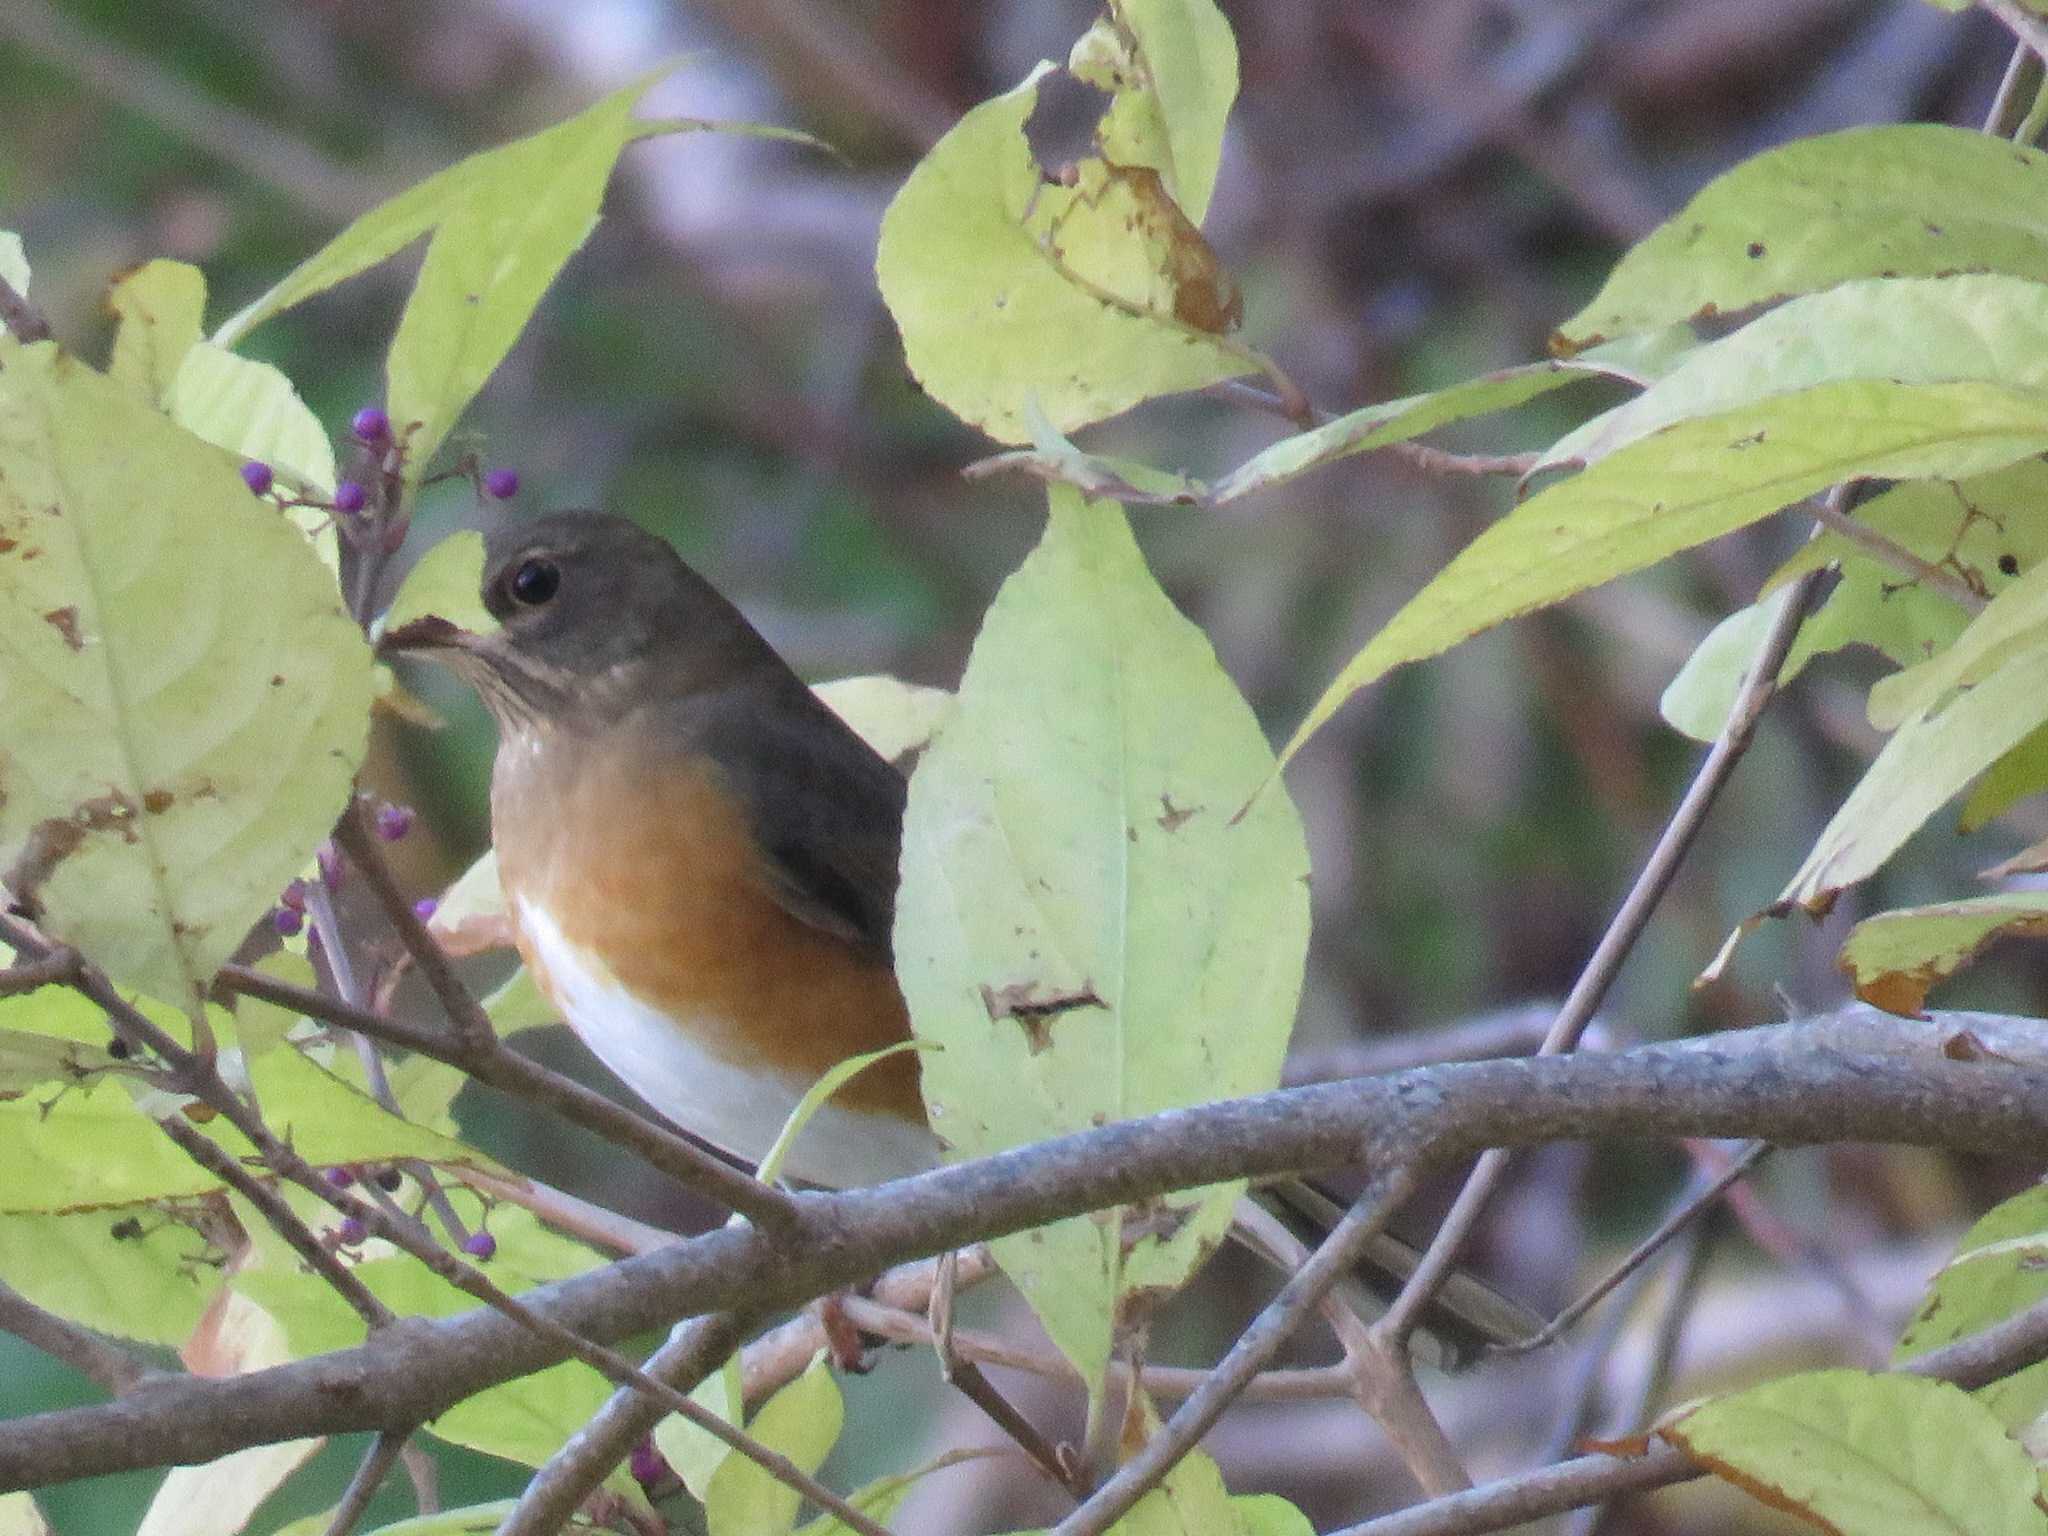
point(1861, 1076)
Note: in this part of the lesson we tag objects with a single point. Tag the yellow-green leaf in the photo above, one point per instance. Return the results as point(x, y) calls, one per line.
point(802, 1421)
point(1927, 761)
point(2000, 1268)
point(1863, 1455)
point(1896, 958)
point(988, 269)
point(187, 702)
point(1916, 199)
point(1689, 483)
point(158, 309)
point(1082, 923)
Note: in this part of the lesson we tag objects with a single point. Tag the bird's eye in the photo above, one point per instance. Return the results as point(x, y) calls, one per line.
point(534, 582)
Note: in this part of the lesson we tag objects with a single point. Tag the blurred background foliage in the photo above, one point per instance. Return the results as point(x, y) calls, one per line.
point(1411, 193)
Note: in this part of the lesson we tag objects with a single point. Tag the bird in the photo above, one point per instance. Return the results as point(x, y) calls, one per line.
point(700, 858)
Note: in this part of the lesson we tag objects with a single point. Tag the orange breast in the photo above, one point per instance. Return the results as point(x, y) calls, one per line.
point(646, 862)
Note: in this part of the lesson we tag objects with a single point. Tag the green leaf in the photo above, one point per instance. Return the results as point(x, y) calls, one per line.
point(880, 1499)
point(815, 1098)
point(526, 1420)
point(19, 1515)
point(1862, 1455)
point(92, 1147)
point(252, 410)
point(1999, 1269)
point(520, 213)
point(187, 701)
point(1908, 330)
point(1170, 68)
point(158, 309)
point(27, 1060)
point(1908, 200)
point(1895, 958)
point(470, 1520)
point(447, 583)
point(2014, 621)
point(448, 196)
point(695, 1454)
point(1685, 485)
point(1928, 760)
point(1082, 922)
point(1394, 421)
point(2023, 771)
point(143, 1272)
point(979, 260)
point(896, 718)
point(802, 1421)
point(1699, 698)
point(1976, 527)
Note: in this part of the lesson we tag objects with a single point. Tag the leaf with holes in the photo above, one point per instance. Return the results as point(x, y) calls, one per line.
point(1908, 200)
point(1086, 923)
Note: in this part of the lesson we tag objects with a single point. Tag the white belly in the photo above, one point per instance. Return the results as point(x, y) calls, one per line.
point(734, 1108)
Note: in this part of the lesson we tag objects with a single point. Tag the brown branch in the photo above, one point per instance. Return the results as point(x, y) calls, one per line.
point(369, 1476)
point(1619, 941)
point(94, 1356)
point(22, 319)
point(1890, 552)
point(496, 1065)
point(693, 1351)
point(283, 1220)
point(1690, 1204)
point(1302, 1294)
point(58, 966)
point(1857, 1075)
point(1513, 1501)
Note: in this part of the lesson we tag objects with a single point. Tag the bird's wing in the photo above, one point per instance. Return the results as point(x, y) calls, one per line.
point(827, 811)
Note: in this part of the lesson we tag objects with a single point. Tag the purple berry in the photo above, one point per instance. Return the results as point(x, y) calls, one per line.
point(329, 859)
point(480, 1245)
point(646, 1463)
point(393, 822)
point(351, 1231)
point(503, 484)
point(349, 496)
point(288, 921)
point(425, 908)
point(256, 475)
point(293, 896)
point(341, 1178)
point(370, 425)
point(390, 1180)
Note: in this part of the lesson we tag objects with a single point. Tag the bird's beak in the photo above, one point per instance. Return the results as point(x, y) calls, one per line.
point(423, 636)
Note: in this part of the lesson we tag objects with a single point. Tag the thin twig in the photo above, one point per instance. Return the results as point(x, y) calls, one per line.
point(1940, 578)
point(2021, 80)
point(472, 1025)
point(1615, 945)
point(272, 1206)
point(197, 1075)
point(1853, 1074)
point(1514, 1501)
point(1690, 1204)
point(693, 1351)
point(1062, 1472)
point(1247, 1358)
point(23, 320)
point(93, 1355)
point(2022, 23)
point(496, 1065)
point(370, 1474)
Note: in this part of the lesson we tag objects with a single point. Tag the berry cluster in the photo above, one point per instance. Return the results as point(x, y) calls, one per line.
point(369, 503)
